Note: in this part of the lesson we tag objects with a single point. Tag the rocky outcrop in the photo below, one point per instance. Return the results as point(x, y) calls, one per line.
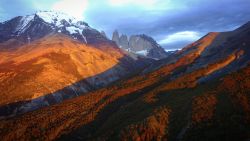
point(140, 44)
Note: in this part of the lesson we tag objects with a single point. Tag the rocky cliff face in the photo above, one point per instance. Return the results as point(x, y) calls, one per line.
point(140, 44)
point(143, 44)
point(124, 43)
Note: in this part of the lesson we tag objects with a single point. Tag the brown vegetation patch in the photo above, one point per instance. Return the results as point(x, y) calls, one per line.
point(152, 128)
point(203, 107)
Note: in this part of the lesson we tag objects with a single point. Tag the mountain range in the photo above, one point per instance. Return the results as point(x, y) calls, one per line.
point(63, 84)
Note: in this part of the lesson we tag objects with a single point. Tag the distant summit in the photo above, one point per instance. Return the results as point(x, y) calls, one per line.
point(140, 44)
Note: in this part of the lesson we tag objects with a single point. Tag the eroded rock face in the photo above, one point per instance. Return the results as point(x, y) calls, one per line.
point(140, 44)
point(124, 42)
point(151, 48)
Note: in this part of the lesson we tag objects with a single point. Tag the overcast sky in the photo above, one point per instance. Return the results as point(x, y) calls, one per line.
point(173, 23)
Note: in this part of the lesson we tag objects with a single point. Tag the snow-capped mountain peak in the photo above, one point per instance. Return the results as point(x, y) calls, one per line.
point(60, 19)
point(54, 17)
point(32, 27)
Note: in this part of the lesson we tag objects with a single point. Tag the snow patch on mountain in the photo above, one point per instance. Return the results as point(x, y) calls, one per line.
point(55, 18)
point(73, 30)
point(142, 52)
point(24, 23)
point(60, 19)
point(85, 39)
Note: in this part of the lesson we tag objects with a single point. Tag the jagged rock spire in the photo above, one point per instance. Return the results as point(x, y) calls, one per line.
point(116, 37)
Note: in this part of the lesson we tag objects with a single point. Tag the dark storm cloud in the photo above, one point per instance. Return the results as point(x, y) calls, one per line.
point(194, 15)
point(208, 16)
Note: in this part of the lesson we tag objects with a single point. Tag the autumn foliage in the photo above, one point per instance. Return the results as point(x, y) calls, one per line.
point(153, 127)
point(203, 108)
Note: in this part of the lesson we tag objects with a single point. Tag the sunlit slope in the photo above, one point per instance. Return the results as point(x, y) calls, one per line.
point(53, 63)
